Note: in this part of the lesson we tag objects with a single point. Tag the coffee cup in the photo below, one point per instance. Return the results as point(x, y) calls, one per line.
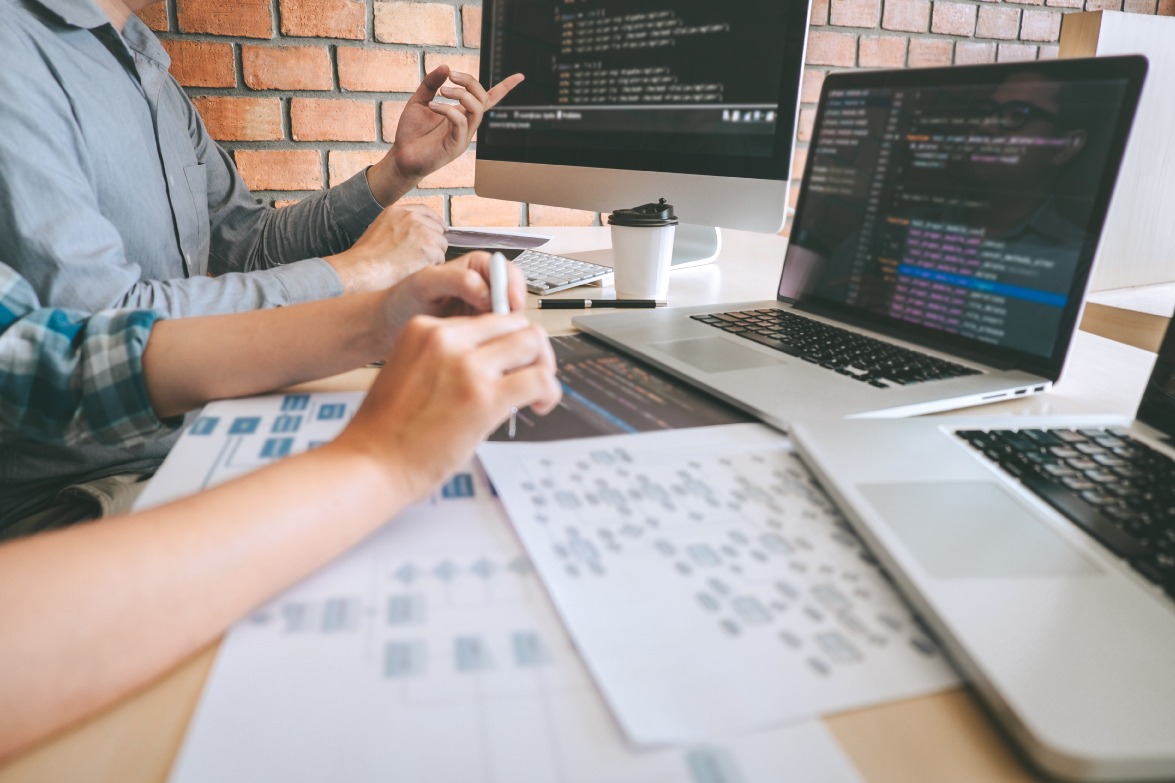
point(642, 248)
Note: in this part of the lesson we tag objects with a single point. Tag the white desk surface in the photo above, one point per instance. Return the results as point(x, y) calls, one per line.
point(936, 738)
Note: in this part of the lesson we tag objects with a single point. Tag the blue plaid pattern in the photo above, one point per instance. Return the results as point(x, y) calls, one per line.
point(68, 377)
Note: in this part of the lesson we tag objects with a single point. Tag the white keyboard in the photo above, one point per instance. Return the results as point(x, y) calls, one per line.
point(546, 273)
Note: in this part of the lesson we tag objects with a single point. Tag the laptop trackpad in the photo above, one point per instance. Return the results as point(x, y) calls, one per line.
point(973, 530)
point(713, 354)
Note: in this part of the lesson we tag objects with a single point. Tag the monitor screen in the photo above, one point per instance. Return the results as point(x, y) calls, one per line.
point(963, 210)
point(685, 86)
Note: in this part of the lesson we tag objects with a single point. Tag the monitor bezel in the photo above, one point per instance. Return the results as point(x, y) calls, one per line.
point(777, 167)
point(1130, 68)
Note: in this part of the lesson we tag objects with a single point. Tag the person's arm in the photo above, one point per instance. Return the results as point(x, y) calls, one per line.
point(89, 613)
point(429, 135)
point(193, 360)
point(113, 376)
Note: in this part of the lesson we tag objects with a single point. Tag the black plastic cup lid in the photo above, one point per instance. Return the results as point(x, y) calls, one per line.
point(645, 216)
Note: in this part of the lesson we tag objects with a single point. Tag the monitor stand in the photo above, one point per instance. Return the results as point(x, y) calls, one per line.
point(695, 245)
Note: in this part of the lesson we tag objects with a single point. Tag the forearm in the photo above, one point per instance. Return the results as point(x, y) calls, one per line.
point(247, 237)
point(191, 361)
point(90, 613)
point(307, 281)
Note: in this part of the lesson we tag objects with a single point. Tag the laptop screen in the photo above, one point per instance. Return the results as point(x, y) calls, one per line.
point(961, 207)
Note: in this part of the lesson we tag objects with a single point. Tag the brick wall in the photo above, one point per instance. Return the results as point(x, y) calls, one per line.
point(305, 93)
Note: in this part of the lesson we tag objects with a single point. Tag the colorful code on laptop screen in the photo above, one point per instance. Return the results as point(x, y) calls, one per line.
point(966, 210)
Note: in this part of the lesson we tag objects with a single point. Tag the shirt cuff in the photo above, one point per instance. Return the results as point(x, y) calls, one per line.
point(115, 408)
point(308, 280)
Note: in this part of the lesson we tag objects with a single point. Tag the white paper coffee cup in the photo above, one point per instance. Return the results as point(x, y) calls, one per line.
point(642, 250)
point(641, 257)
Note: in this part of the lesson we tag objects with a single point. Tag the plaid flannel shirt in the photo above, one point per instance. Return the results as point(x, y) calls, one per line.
point(70, 377)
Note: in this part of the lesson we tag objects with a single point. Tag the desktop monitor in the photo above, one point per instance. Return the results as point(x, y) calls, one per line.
point(629, 102)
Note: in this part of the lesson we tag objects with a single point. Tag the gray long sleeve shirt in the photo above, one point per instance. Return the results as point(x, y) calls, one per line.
point(112, 194)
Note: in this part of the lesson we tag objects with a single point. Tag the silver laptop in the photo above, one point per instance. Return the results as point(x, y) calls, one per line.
point(1044, 559)
point(942, 243)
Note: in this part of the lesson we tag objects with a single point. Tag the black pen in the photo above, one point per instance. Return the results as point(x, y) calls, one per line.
point(587, 304)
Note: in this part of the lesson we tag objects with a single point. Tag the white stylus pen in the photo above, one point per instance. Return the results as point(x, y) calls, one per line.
point(500, 305)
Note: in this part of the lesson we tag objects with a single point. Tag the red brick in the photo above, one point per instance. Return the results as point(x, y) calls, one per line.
point(201, 64)
point(541, 215)
point(435, 203)
point(246, 18)
point(430, 24)
point(818, 15)
point(341, 165)
point(832, 48)
point(806, 122)
point(285, 202)
point(1166, 8)
point(811, 85)
point(280, 169)
point(324, 18)
point(331, 119)
point(458, 174)
point(471, 26)
point(882, 51)
point(953, 19)
point(1015, 52)
point(378, 70)
point(1103, 5)
point(927, 52)
point(1067, 3)
point(1040, 25)
point(998, 21)
point(1140, 6)
point(464, 63)
point(389, 113)
point(286, 67)
point(241, 119)
point(908, 16)
point(477, 211)
point(971, 53)
point(1028, 2)
point(1048, 52)
point(155, 16)
point(855, 13)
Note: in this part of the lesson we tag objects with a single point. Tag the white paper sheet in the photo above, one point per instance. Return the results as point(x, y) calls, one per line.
point(710, 586)
point(428, 653)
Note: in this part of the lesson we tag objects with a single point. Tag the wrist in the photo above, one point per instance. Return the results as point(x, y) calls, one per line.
point(379, 469)
point(343, 264)
point(387, 183)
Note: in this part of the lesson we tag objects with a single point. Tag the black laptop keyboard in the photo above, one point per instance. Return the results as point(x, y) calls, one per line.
point(865, 359)
point(1117, 489)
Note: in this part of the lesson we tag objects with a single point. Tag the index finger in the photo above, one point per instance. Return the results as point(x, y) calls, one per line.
point(499, 90)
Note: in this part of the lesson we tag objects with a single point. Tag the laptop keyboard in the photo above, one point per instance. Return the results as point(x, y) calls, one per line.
point(1116, 488)
point(865, 359)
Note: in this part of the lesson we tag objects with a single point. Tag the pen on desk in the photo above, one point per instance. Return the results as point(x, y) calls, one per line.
point(588, 304)
point(500, 305)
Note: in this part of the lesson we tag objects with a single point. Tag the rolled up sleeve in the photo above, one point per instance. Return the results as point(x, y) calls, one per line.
point(70, 377)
